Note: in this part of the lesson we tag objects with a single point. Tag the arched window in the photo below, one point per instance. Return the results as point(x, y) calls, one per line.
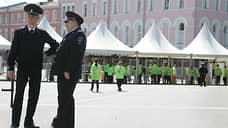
point(180, 35)
point(138, 33)
point(226, 35)
point(94, 8)
point(215, 32)
point(116, 31)
point(126, 35)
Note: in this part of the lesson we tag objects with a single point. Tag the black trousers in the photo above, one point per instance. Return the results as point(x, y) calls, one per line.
point(225, 80)
point(34, 78)
point(119, 84)
point(92, 84)
point(65, 113)
point(217, 79)
point(202, 80)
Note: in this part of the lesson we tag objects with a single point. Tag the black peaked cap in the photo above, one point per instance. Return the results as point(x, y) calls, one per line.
point(33, 9)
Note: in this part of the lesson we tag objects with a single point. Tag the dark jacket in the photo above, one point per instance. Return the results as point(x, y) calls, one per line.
point(27, 48)
point(70, 53)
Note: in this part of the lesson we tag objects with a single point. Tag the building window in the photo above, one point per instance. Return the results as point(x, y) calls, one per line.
point(115, 4)
point(25, 18)
point(94, 6)
point(6, 19)
point(46, 14)
point(0, 31)
point(138, 6)
point(180, 35)
point(126, 6)
point(68, 8)
point(138, 33)
point(181, 4)
point(226, 35)
point(12, 19)
point(12, 34)
point(73, 8)
point(226, 5)
point(217, 5)
point(151, 5)
point(166, 5)
point(64, 10)
point(18, 18)
point(126, 35)
point(1, 19)
point(205, 4)
point(54, 16)
point(6, 33)
point(215, 32)
point(85, 9)
point(105, 8)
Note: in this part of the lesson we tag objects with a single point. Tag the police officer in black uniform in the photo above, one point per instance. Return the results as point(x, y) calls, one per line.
point(67, 67)
point(27, 50)
point(203, 72)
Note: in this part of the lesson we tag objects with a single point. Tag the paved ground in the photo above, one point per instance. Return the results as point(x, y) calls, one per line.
point(139, 106)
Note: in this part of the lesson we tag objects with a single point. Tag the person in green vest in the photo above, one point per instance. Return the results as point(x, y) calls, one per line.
point(198, 75)
point(153, 70)
point(106, 67)
point(225, 75)
point(187, 75)
point(170, 72)
point(218, 73)
point(95, 72)
point(166, 74)
point(139, 74)
point(192, 75)
point(174, 74)
point(119, 71)
point(159, 72)
point(110, 73)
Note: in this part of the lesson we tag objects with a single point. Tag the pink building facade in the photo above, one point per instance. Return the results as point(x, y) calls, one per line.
point(129, 20)
point(14, 17)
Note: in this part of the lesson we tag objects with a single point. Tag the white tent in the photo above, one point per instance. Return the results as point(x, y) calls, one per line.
point(205, 45)
point(4, 43)
point(154, 43)
point(44, 24)
point(102, 42)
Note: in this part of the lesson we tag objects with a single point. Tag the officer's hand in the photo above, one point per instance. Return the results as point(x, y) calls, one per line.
point(11, 75)
point(67, 75)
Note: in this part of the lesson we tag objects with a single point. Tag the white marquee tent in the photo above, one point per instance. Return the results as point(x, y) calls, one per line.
point(44, 24)
point(102, 42)
point(154, 43)
point(4, 43)
point(205, 45)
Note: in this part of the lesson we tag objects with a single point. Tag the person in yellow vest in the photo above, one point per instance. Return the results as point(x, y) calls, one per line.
point(174, 74)
point(225, 75)
point(192, 75)
point(218, 73)
point(95, 73)
point(119, 71)
point(166, 74)
point(110, 73)
point(126, 73)
point(106, 67)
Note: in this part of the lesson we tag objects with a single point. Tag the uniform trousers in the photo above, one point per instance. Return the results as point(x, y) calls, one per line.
point(119, 84)
point(92, 85)
point(65, 113)
point(34, 78)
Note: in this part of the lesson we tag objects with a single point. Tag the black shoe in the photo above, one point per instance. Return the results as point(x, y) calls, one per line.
point(31, 126)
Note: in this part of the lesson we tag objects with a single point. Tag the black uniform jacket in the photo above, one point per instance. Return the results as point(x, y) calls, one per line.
point(27, 48)
point(70, 53)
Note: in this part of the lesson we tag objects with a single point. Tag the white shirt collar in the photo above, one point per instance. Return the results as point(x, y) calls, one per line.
point(31, 28)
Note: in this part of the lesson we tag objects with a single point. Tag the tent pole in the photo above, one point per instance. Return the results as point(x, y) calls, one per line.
point(182, 66)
